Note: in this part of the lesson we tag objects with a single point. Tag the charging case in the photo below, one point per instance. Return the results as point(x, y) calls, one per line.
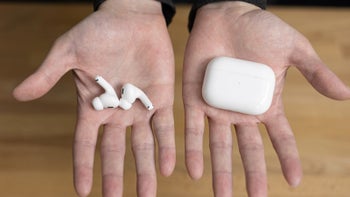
point(238, 85)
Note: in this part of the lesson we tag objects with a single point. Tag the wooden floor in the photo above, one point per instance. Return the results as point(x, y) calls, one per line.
point(36, 137)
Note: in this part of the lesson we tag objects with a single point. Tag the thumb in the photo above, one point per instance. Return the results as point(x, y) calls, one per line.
point(46, 76)
point(318, 74)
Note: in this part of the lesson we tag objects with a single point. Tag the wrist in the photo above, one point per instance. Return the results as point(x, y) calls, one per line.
point(224, 7)
point(150, 7)
point(236, 7)
point(225, 10)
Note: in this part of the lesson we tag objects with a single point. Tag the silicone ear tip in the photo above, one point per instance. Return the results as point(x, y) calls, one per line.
point(124, 104)
point(97, 104)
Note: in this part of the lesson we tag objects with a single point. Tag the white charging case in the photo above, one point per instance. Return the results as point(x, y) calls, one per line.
point(238, 85)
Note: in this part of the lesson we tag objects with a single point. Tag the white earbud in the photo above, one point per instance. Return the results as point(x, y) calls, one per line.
point(130, 93)
point(109, 99)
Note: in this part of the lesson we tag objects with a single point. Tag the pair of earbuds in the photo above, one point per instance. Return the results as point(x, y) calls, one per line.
point(110, 99)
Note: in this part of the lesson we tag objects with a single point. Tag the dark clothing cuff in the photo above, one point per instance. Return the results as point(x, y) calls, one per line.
point(168, 9)
point(97, 4)
point(199, 3)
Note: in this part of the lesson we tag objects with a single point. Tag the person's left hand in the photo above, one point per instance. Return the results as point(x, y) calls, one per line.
point(241, 30)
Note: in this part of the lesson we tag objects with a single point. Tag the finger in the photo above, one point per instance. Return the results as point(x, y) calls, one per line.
point(163, 124)
point(319, 75)
point(252, 153)
point(143, 149)
point(194, 123)
point(112, 154)
point(221, 157)
point(83, 154)
point(46, 76)
point(284, 143)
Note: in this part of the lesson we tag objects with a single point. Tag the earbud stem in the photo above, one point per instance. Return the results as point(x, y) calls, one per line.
point(105, 85)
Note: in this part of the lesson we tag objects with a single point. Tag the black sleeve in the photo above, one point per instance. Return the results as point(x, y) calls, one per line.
point(199, 3)
point(168, 9)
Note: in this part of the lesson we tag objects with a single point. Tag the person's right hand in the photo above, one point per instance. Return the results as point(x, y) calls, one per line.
point(125, 41)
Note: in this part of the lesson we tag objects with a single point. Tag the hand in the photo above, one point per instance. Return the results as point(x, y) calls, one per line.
point(123, 42)
point(243, 31)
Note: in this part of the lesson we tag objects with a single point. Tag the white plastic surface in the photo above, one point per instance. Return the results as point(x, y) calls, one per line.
point(109, 99)
point(238, 85)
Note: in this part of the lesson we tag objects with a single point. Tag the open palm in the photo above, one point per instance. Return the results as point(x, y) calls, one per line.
point(243, 31)
point(123, 47)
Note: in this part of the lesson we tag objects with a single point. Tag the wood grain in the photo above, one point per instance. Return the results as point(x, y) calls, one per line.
point(36, 137)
